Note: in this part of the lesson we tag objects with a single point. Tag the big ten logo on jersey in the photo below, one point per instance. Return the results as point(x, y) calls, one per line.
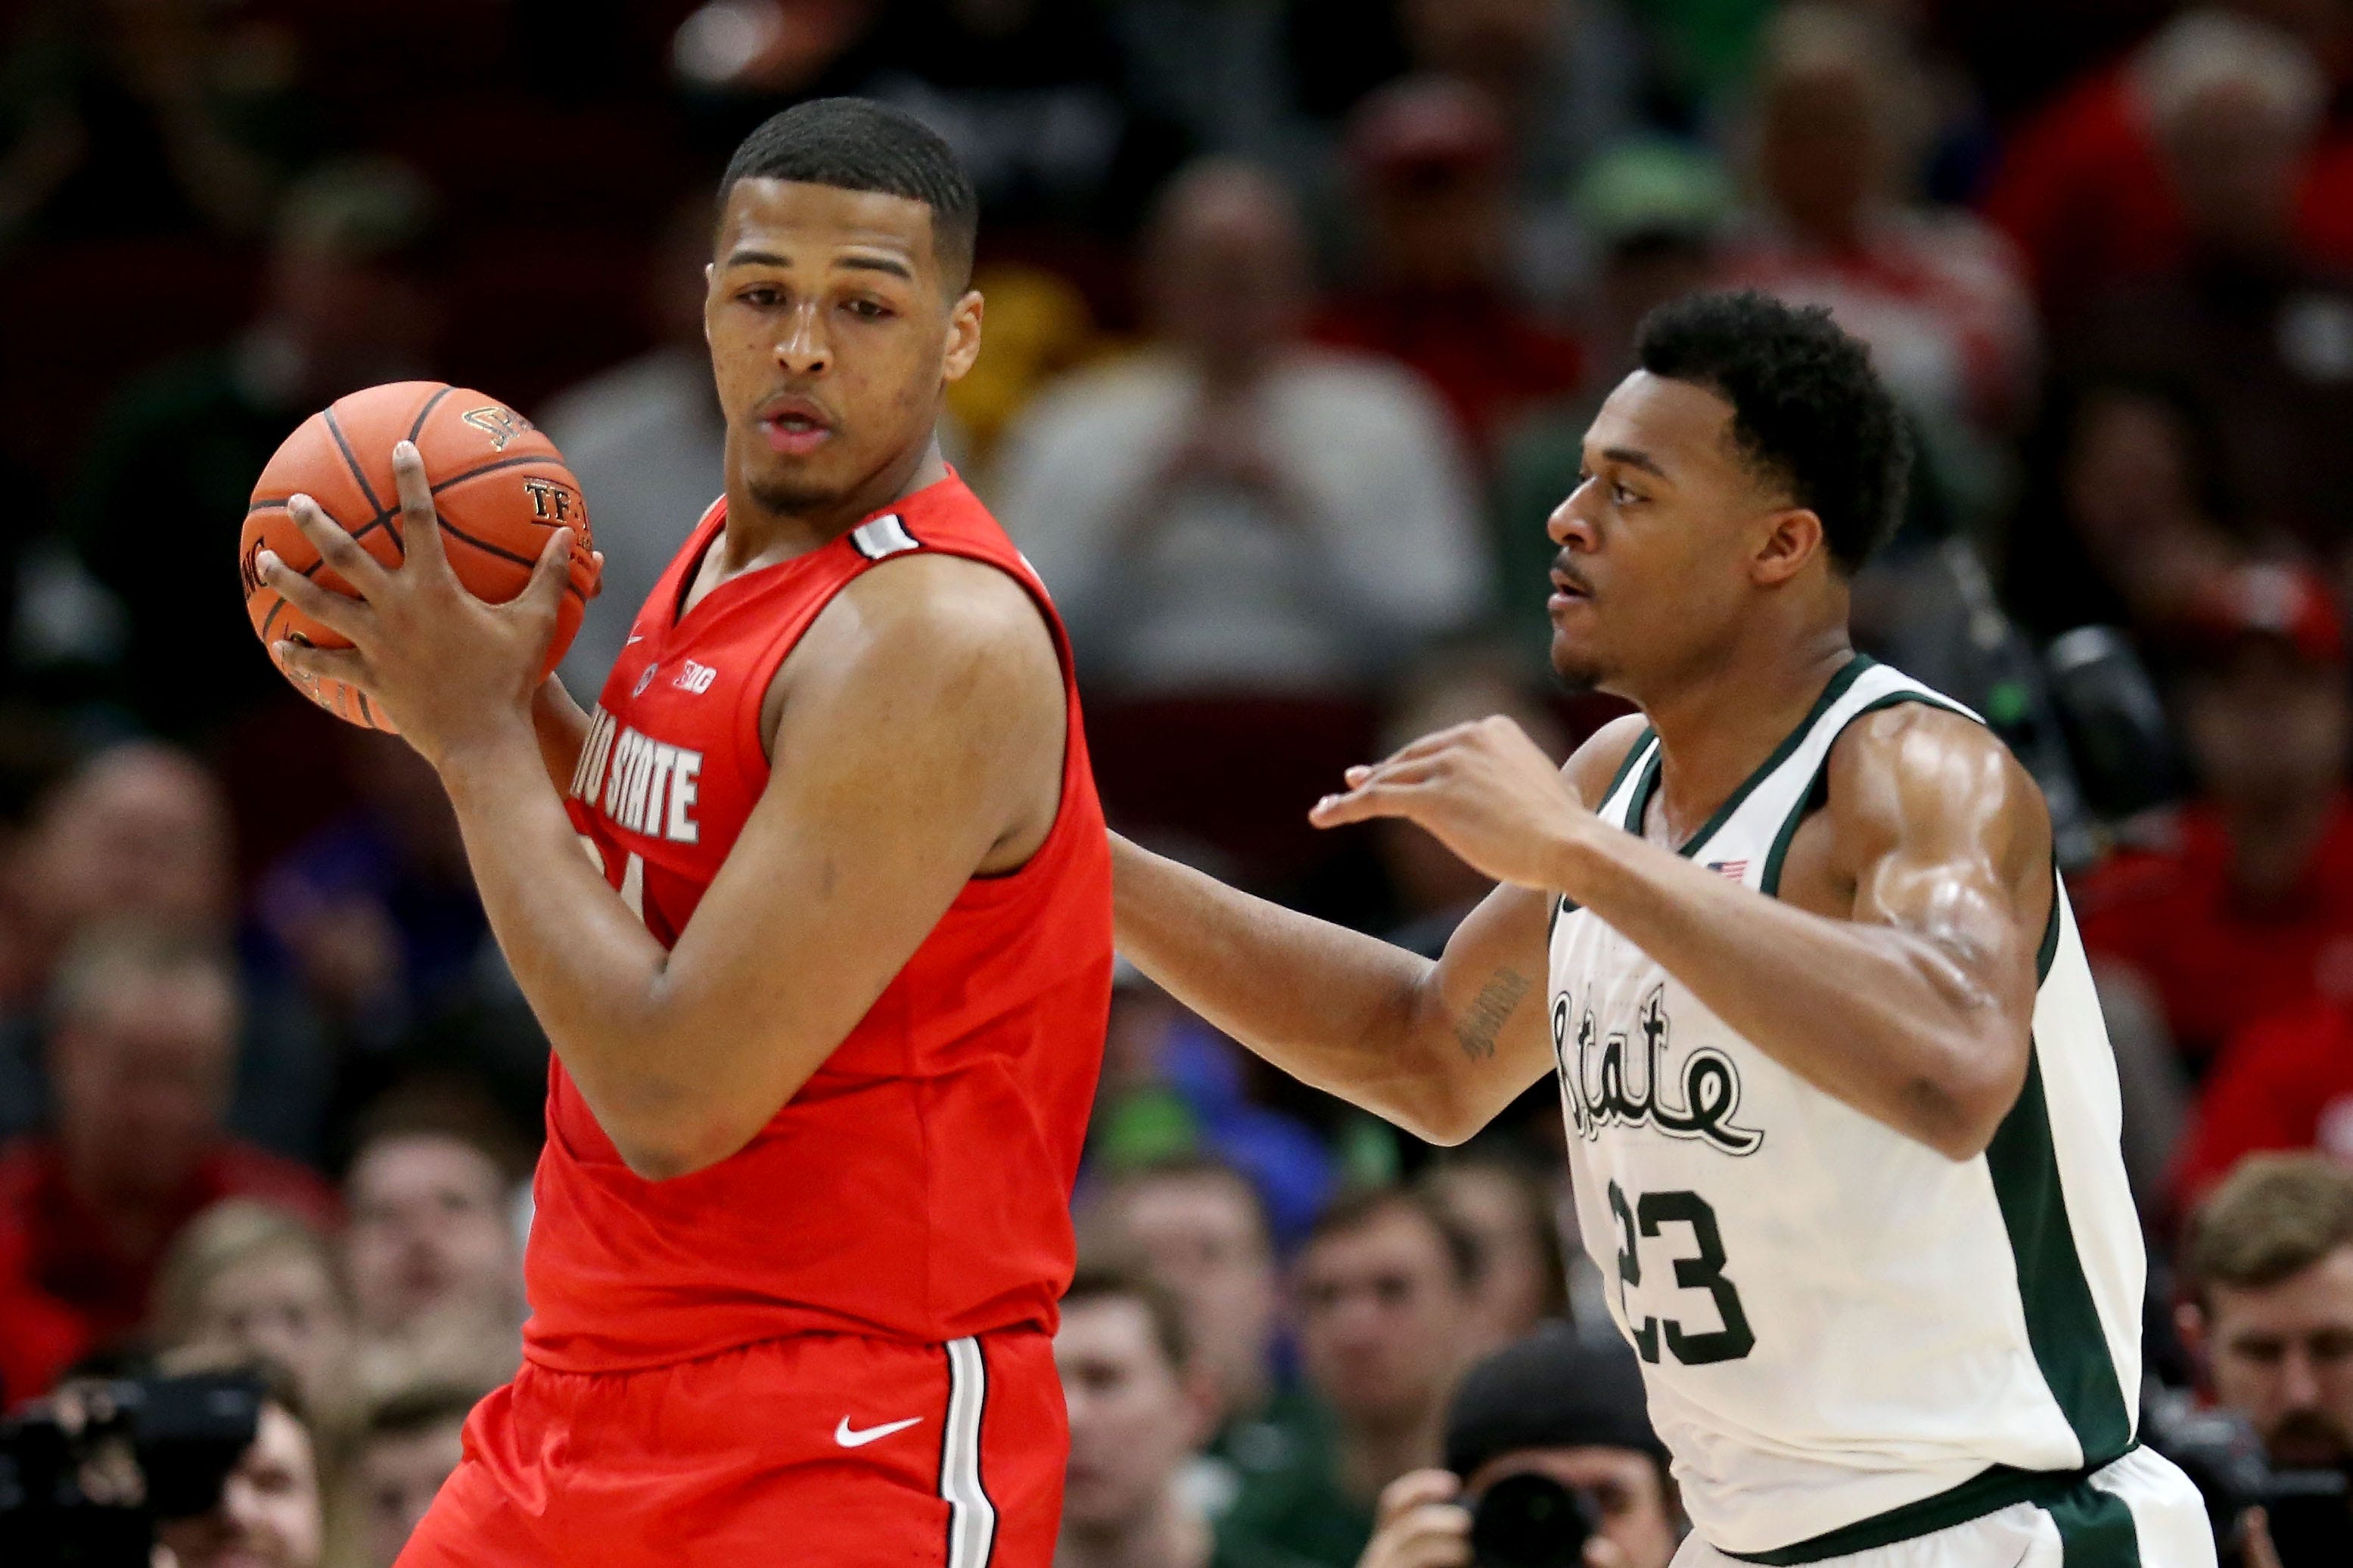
point(638, 783)
point(552, 501)
point(696, 678)
point(499, 422)
point(1610, 1081)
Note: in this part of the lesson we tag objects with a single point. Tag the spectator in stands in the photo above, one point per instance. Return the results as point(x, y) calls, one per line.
point(1139, 1410)
point(1384, 1300)
point(2246, 906)
point(1553, 1406)
point(1033, 95)
point(1836, 142)
point(1523, 1279)
point(432, 1250)
point(271, 1513)
point(2122, 517)
point(2257, 338)
point(645, 438)
point(246, 1281)
point(376, 913)
point(2267, 1276)
point(141, 1052)
point(408, 1444)
point(1429, 158)
point(1197, 1229)
point(345, 307)
point(2088, 187)
point(1232, 510)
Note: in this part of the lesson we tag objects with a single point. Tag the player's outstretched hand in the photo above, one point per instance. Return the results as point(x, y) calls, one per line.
point(448, 668)
point(1482, 789)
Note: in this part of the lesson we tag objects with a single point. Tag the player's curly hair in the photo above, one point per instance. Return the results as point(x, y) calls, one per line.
point(858, 144)
point(1807, 408)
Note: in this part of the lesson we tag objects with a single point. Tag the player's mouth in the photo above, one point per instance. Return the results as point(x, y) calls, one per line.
point(794, 426)
point(1568, 591)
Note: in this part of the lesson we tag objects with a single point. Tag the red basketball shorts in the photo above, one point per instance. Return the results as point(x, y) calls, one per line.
point(828, 1449)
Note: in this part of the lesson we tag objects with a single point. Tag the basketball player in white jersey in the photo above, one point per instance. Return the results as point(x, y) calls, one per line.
point(1842, 1117)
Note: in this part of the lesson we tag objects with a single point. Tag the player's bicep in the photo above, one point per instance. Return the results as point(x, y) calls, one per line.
point(904, 751)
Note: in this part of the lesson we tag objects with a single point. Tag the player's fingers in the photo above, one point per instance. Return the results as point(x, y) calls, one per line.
point(337, 612)
point(420, 525)
point(549, 575)
point(1429, 745)
point(1369, 801)
point(337, 548)
point(310, 664)
point(1415, 1488)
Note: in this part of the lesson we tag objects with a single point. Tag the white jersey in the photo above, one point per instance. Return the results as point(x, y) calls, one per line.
point(1847, 1338)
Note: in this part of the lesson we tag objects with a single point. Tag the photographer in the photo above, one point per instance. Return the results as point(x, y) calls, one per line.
point(1552, 1407)
point(270, 1511)
point(2268, 1275)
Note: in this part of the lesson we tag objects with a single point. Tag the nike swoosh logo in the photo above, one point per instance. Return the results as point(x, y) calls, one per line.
point(849, 1438)
point(635, 636)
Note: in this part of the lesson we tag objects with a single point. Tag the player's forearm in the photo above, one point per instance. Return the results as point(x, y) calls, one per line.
point(1877, 1016)
point(590, 970)
point(1335, 1008)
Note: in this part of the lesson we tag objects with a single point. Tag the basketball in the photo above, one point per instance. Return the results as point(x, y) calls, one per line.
point(499, 485)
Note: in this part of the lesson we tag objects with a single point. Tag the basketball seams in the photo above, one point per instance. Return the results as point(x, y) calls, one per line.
point(335, 428)
point(427, 413)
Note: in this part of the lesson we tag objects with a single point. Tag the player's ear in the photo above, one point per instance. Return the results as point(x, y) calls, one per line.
point(710, 281)
point(962, 335)
point(1792, 537)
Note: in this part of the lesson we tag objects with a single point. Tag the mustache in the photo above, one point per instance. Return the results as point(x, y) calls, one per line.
point(1564, 569)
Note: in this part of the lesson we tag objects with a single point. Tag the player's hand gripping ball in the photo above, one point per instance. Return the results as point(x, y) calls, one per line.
point(499, 485)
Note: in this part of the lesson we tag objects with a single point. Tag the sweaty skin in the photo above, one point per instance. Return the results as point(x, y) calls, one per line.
point(1896, 971)
point(923, 709)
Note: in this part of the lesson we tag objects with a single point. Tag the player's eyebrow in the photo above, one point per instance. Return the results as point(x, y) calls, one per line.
point(1633, 458)
point(890, 264)
point(760, 258)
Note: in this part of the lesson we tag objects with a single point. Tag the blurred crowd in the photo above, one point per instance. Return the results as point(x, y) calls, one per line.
point(1297, 310)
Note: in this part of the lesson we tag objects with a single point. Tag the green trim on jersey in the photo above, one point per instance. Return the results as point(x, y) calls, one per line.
point(2095, 1530)
point(2062, 1324)
point(1817, 792)
point(1989, 1491)
point(1640, 804)
point(1563, 904)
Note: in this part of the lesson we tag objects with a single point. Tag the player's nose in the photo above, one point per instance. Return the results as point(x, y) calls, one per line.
point(1569, 527)
point(804, 348)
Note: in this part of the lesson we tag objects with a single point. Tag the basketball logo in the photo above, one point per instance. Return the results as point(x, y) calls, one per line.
point(499, 423)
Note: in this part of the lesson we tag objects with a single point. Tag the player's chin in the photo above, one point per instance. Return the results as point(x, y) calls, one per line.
point(796, 486)
point(1575, 662)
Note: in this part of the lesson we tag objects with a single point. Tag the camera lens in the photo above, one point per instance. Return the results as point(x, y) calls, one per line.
point(1529, 1521)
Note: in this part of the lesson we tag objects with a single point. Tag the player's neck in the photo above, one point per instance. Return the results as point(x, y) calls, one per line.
point(1169, 1534)
point(1716, 730)
point(757, 534)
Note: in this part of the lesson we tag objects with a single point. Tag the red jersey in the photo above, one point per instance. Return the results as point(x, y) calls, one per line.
point(918, 1185)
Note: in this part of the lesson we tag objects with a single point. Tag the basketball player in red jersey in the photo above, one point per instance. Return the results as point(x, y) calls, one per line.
point(827, 994)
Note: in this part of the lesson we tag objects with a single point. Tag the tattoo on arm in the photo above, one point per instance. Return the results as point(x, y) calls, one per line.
point(1489, 1012)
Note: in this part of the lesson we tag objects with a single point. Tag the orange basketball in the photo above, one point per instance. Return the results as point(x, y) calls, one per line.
point(499, 485)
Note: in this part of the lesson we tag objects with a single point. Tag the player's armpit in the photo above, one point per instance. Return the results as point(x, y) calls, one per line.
point(1945, 838)
point(920, 740)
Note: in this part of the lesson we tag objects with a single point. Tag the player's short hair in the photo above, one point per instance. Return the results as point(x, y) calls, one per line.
point(1097, 1281)
point(857, 144)
point(1807, 410)
point(2274, 1216)
point(1353, 1211)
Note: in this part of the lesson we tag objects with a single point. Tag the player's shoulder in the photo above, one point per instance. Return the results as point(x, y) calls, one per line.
point(948, 614)
point(1597, 763)
point(1913, 768)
